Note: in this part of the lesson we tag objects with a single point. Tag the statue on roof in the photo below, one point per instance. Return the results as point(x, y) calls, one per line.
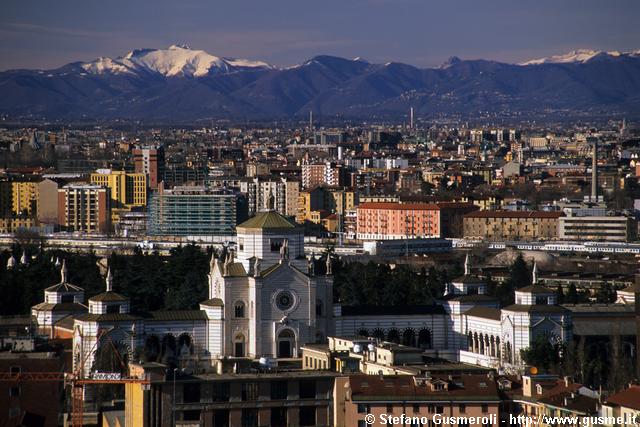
point(284, 250)
point(467, 266)
point(310, 266)
point(109, 280)
point(11, 262)
point(329, 265)
point(63, 272)
point(534, 273)
point(271, 202)
point(256, 267)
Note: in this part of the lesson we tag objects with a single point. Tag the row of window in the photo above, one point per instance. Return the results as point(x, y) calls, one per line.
point(365, 408)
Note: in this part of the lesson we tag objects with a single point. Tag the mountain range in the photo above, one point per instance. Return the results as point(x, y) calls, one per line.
point(179, 84)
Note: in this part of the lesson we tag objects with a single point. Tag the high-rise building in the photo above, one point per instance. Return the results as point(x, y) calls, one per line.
point(128, 190)
point(192, 211)
point(150, 161)
point(85, 208)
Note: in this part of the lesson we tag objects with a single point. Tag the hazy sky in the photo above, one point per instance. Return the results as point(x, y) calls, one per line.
point(50, 33)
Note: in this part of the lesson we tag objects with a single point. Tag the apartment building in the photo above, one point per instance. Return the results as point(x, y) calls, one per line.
point(511, 225)
point(128, 190)
point(266, 193)
point(329, 174)
point(24, 196)
point(318, 203)
point(379, 221)
point(597, 228)
point(428, 400)
point(150, 161)
point(85, 208)
point(233, 397)
point(192, 211)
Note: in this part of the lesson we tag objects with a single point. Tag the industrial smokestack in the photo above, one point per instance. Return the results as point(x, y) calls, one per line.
point(594, 173)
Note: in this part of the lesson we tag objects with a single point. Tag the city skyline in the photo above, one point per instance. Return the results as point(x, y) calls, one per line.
point(424, 35)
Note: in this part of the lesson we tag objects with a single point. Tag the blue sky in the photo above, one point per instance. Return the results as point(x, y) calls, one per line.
point(47, 33)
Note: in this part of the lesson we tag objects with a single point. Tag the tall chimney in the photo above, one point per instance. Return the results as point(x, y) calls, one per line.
point(594, 173)
point(411, 120)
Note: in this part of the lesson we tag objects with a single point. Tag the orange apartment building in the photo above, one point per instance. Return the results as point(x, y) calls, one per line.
point(385, 221)
point(427, 401)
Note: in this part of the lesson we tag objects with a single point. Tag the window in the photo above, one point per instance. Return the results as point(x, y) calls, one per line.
point(241, 244)
point(275, 244)
point(363, 423)
point(192, 415)
point(308, 416)
point(363, 408)
point(66, 298)
point(439, 409)
point(389, 408)
point(250, 391)
point(278, 390)
point(113, 309)
point(249, 418)
point(191, 393)
point(14, 391)
point(485, 408)
point(318, 308)
point(239, 310)
point(416, 408)
point(307, 389)
point(278, 417)
point(221, 392)
point(462, 408)
point(15, 370)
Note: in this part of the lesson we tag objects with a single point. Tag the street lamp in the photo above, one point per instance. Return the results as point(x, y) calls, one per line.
point(175, 370)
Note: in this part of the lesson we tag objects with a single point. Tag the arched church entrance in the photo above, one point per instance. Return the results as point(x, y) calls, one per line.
point(286, 341)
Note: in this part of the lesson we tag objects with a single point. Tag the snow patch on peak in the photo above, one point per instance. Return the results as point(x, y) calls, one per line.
point(575, 56)
point(174, 61)
point(104, 65)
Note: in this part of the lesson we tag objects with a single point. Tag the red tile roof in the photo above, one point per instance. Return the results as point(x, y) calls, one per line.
point(629, 398)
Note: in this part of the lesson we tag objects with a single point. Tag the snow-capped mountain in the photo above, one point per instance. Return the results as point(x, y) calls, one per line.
point(175, 61)
point(579, 56)
point(179, 83)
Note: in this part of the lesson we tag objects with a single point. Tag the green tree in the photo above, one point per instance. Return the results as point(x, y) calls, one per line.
point(543, 354)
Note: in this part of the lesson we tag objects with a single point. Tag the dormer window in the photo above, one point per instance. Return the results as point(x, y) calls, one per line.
point(538, 389)
point(438, 385)
point(66, 298)
point(541, 300)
